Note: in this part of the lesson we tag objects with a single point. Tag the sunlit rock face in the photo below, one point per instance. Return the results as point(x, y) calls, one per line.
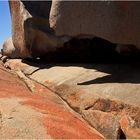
point(118, 22)
point(40, 27)
point(9, 49)
point(31, 33)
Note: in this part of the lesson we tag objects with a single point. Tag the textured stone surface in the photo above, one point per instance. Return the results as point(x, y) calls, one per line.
point(37, 115)
point(109, 88)
point(130, 127)
point(108, 93)
point(106, 123)
point(117, 22)
point(39, 27)
point(31, 33)
point(113, 81)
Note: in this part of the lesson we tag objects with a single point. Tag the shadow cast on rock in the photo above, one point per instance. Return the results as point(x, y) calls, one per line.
point(117, 73)
point(95, 54)
point(114, 78)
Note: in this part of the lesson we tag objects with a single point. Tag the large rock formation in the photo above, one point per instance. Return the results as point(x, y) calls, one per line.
point(106, 95)
point(31, 34)
point(118, 22)
point(39, 27)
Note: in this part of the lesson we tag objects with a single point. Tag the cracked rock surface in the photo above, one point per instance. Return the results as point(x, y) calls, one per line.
point(110, 91)
point(39, 114)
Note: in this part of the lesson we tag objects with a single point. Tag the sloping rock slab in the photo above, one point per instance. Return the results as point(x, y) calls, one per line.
point(37, 115)
point(111, 88)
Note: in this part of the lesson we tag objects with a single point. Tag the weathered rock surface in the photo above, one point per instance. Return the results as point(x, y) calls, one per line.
point(104, 90)
point(106, 123)
point(31, 33)
point(130, 127)
point(106, 95)
point(39, 27)
point(117, 22)
point(37, 115)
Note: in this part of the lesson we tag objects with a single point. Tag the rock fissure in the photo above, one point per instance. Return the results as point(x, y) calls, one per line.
point(110, 107)
point(105, 95)
point(66, 103)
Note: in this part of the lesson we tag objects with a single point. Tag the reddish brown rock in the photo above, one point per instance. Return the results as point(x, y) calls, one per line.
point(37, 115)
point(115, 93)
point(105, 123)
point(129, 127)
